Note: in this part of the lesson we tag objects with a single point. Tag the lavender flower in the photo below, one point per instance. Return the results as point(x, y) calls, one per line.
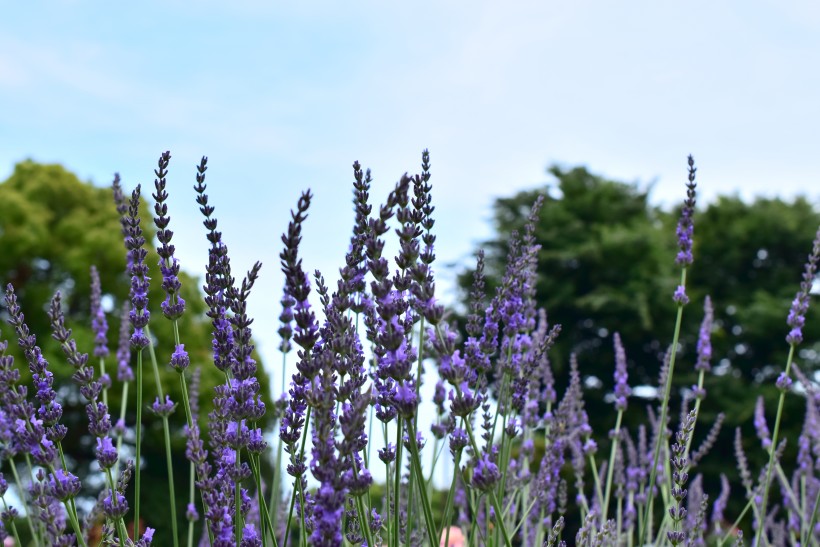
point(800, 304)
point(98, 323)
point(485, 474)
point(622, 390)
point(760, 424)
point(36, 435)
point(139, 313)
point(286, 319)
point(685, 227)
point(179, 359)
point(783, 382)
point(680, 464)
point(163, 408)
point(297, 284)
point(64, 485)
point(115, 506)
point(124, 372)
point(720, 502)
point(106, 453)
point(704, 345)
point(173, 306)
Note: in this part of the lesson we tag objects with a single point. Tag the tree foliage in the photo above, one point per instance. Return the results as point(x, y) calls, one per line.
point(53, 228)
point(606, 265)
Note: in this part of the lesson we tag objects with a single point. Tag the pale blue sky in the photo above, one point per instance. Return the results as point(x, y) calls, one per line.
point(283, 96)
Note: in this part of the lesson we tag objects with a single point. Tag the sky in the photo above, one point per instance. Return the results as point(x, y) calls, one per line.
point(284, 96)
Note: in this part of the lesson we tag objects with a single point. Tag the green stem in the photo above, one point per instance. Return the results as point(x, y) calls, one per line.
point(448, 506)
point(701, 375)
point(191, 497)
point(772, 449)
point(167, 432)
point(596, 479)
point(40, 526)
point(13, 527)
point(813, 520)
point(501, 395)
point(102, 375)
point(386, 499)
point(275, 495)
point(525, 514)
point(22, 498)
point(75, 522)
point(237, 499)
point(397, 489)
point(735, 524)
point(70, 508)
point(664, 409)
point(138, 448)
point(438, 451)
point(493, 498)
point(264, 515)
point(419, 474)
point(121, 532)
point(411, 489)
point(169, 463)
point(297, 486)
point(506, 449)
point(364, 518)
point(611, 467)
point(123, 403)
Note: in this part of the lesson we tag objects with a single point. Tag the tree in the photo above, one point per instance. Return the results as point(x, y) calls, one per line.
point(53, 228)
point(606, 264)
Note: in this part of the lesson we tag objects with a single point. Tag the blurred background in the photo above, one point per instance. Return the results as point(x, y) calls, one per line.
point(595, 104)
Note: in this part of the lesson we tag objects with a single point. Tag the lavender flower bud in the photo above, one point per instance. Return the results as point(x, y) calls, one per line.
point(139, 314)
point(106, 453)
point(64, 485)
point(179, 359)
point(9, 515)
point(485, 474)
point(115, 505)
point(622, 390)
point(760, 424)
point(685, 225)
point(124, 372)
point(704, 347)
point(388, 453)
point(98, 322)
point(405, 399)
point(163, 408)
point(800, 304)
point(680, 297)
point(783, 382)
point(722, 500)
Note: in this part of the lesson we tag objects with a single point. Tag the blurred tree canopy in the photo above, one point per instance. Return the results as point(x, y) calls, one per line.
point(53, 228)
point(606, 265)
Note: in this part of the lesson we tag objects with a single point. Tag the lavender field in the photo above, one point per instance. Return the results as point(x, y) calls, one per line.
point(525, 465)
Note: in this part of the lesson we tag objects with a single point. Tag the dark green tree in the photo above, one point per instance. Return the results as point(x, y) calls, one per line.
point(606, 264)
point(53, 228)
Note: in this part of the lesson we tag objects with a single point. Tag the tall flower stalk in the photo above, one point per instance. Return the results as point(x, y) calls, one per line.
point(172, 307)
point(495, 398)
point(139, 316)
point(684, 259)
point(796, 320)
point(41, 436)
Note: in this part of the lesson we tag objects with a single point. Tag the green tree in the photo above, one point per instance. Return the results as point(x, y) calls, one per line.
point(606, 264)
point(53, 228)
